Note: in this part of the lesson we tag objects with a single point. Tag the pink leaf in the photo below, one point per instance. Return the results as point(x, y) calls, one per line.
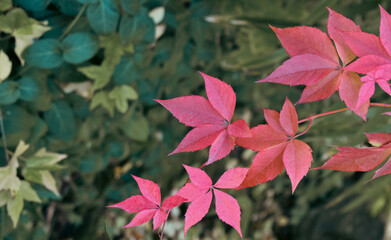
point(385, 29)
point(272, 118)
point(221, 147)
point(199, 138)
point(384, 170)
point(191, 192)
point(142, 217)
point(232, 178)
point(198, 177)
point(367, 64)
point(385, 86)
point(362, 43)
point(349, 89)
point(197, 210)
point(267, 164)
point(288, 118)
point(378, 139)
point(387, 113)
point(172, 202)
point(366, 92)
point(239, 129)
point(356, 159)
point(228, 210)
point(321, 90)
point(297, 160)
point(337, 21)
point(159, 218)
point(135, 204)
point(149, 189)
point(221, 96)
point(263, 136)
point(306, 40)
point(192, 110)
point(306, 69)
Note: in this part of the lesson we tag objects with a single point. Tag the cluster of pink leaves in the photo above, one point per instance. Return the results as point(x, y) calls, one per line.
point(315, 63)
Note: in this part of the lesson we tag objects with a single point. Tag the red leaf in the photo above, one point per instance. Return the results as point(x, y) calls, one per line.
point(191, 192)
point(198, 177)
point(367, 64)
point(142, 217)
point(366, 92)
point(363, 44)
point(356, 159)
point(228, 210)
point(297, 160)
point(135, 204)
point(306, 40)
point(231, 178)
point(159, 218)
point(221, 147)
point(378, 139)
point(321, 90)
point(349, 89)
point(385, 29)
point(267, 164)
point(306, 69)
point(288, 118)
point(239, 129)
point(149, 189)
point(272, 118)
point(172, 202)
point(263, 137)
point(384, 170)
point(199, 138)
point(197, 210)
point(338, 21)
point(192, 110)
point(220, 95)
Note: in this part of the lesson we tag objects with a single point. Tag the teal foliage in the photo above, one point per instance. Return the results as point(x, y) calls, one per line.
point(79, 47)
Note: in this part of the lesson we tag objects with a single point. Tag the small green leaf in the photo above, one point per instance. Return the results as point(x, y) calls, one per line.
point(5, 196)
point(61, 121)
point(100, 74)
point(28, 193)
point(121, 95)
point(136, 128)
point(5, 65)
point(79, 47)
point(43, 160)
point(9, 92)
point(112, 49)
point(42, 177)
point(45, 53)
point(139, 28)
point(103, 16)
point(30, 88)
point(14, 208)
point(5, 5)
point(101, 99)
point(14, 20)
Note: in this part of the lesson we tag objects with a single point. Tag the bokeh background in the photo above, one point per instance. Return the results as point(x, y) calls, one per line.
point(85, 88)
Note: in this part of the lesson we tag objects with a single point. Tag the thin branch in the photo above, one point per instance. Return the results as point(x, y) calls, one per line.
point(308, 128)
point(310, 118)
point(3, 137)
point(72, 24)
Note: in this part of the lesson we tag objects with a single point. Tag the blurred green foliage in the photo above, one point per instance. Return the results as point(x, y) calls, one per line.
point(83, 77)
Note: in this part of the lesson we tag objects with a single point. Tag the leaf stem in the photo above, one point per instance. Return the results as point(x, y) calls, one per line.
point(310, 118)
point(308, 128)
point(380, 105)
point(3, 137)
point(72, 24)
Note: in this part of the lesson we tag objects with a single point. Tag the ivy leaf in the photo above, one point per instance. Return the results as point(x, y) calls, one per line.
point(61, 121)
point(9, 92)
point(5, 66)
point(101, 99)
point(136, 29)
point(103, 16)
point(5, 5)
point(79, 47)
point(14, 208)
point(112, 49)
point(45, 53)
point(100, 74)
point(42, 177)
point(28, 193)
point(43, 160)
point(121, 95)
point(136, 128)
point(30, 88)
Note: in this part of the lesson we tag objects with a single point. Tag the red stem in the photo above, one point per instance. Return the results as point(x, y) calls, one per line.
point(380, 105)
point(308, 128)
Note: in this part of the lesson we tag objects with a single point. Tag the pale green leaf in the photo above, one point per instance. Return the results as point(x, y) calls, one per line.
point(14, 208)
point(101, 99)
point(28, 193)
point(100, 74)
point(112, 49)
point(5, 66)
point(121, 95)
point(4, 197)
point(136, 128)
point(49, 182)
point(5, 5)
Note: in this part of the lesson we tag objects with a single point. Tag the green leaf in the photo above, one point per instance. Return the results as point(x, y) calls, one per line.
point(33, 5)
point(112, 49)
point(45, 53)
point(42, 177)
point(131, 7)
point(5, 65)
point(14, 208)
point(136, 128)
point(103, 16)
point(79, 47)
point(101, 99)
point(5, 196)
point(88, 1)
point(39, 129)
point(121, 95)
point(9, 92)
point(30, 88)
point(100, 74)
point(28, 193)
point(125, 72)
point(16, 119)
point(139, 28)
point(61, 121)
point(14, 20)
point(5, 5)
point(43, 160)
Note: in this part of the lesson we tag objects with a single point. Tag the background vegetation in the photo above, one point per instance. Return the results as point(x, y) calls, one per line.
point(85, 88)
